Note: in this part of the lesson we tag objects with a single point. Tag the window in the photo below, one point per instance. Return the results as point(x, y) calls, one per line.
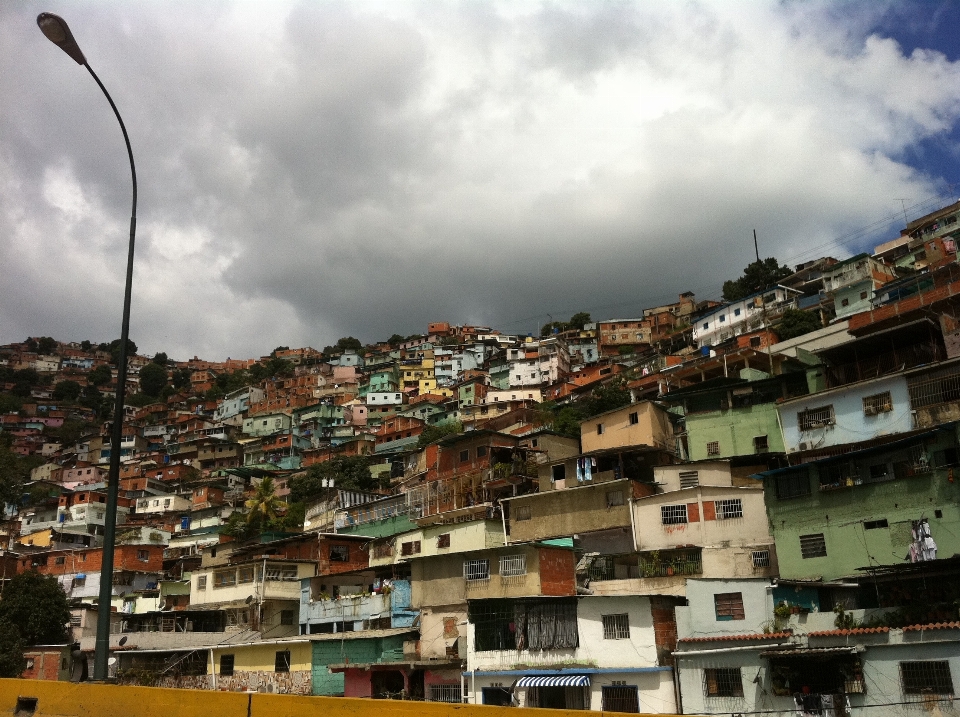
point(815, 418)
point(845, 302)
point(614, 497)
point(620, 698)
point(143, 556)
point(706, 326)
point(723, 318)
point(730, 508)
point(286, 617)
point(558, 472)
point(522, 512)
point(875, 524)
point(340, 553)
point(729, 606)
point(497, 695)
point(411, 548)
point(223, 578)
point(736, 312)
point(673, 514)
point(446, 693)
point(793, 485)
point(760, 444)
point(383, 549)
point(443, 540)
point(513, 565)
point(713, 448)
point(481, 451)
point(929, 677)
point(464, 456)
point(761, 558)
point(476, 570)
point(722, 682)
point(226, 665)
point(202, 582)
point(616, 627)
point(599, 429)
point(61, 559)
point(813, 546)
point(878, 403)
point(281, 662)
point(689, 479)
point(246, 574)
point(634, 418)
point(863, 295)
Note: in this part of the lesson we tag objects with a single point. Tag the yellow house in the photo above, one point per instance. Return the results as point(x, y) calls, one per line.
point(637, 424)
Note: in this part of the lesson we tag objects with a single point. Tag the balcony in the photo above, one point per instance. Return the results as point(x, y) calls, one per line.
point(670, 563)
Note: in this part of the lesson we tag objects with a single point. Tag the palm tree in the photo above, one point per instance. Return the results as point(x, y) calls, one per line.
point(264, 505)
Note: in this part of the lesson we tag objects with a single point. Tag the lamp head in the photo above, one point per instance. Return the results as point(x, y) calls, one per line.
point(58, 32)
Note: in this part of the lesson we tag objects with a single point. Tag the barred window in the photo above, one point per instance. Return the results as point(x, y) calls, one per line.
point(476, 570)
point(410, 548)
point(620, 698)
point(616, 627)
point(279, 573)
point(634, 418)
point(383, 550)
point(813, 546)
point(446, 693)
point(689, 479)
point(673, 514)
point(722, 682)
point(202, 582)
point(614, 497)
point(793, 485)
point(761, 444)
point(927, 677)
point(815, 418)
point(713, 448)
point(513, 565)
point(340, 553)
point(522, 512)
point(443, 540)
point(223, 578)
point(878, 403)
point(282, 661)
point(730, 508)
point(729, 606)
point(246, 574)
point(226, 665)
point(761, 558)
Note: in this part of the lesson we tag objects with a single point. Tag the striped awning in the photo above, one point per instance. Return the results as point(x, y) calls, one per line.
point(555, 681)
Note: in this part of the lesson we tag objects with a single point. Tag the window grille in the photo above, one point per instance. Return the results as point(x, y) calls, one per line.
point(277, 573)
point(927, 677)
point(74, 621)
point(761, 558)
point(793, 485)
point(246, 574)
point(760, 444)
point(476, 570)
point(621, 698)
point(522, 512)
point(815, 418)
point(730, 508)
point(689, 479)
point(614, 498)
point(729, 606)
point(634, 418)
point(602, 568)
point(878, 403)
point(382, 550)
point(410, 548)
point(224, 578)
point(226, 665)
point(616, 627)
point(673, 514)
point(722, 682)
point(513, 565)
point(340, 553)
point(282, 661)
point(445, 693)
point(813, 546)
point(713, 448)
point(443, 540)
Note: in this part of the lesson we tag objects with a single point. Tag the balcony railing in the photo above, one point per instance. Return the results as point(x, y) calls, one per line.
point(663, 564)
point(882, 364)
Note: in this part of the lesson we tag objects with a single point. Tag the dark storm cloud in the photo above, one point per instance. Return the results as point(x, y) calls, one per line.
point(312, 170)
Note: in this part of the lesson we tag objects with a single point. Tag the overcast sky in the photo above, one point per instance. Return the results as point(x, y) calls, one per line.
point(311, 170)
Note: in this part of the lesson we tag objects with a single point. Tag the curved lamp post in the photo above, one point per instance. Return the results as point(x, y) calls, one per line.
point(57, 31)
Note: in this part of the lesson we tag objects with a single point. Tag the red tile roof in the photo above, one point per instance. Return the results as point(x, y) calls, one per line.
point(933, 626)
point(725, 638)
point(850, 631)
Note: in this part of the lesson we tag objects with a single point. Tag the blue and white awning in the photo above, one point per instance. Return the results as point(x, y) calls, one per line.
point(555, 681)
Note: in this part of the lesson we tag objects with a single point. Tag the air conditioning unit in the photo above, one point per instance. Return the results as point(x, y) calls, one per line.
point(804, 445)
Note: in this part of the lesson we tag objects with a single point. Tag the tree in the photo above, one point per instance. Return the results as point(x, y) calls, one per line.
point(347, 473)
point(114, 349)
point(579, 320)
point(264, 506)
point(86, 345)
point(181, 378)
point(756, 277)
point(273, 354)
point(153, 377)
point(32, 345)
point(67, 391)
point(607, 397)
point(396, 340)
point(10, 404)
point(797, 323)
point(14, 473)
point(37, 605)
point(160, 359)
point(91, 398)
point(100, 375)
point(348, 343)
point(435, 433)
point(47, 345)
point(12, 661)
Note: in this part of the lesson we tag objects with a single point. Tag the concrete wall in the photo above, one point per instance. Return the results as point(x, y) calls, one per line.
point(734, 430)
point(699, 618)
point(653, 428)
point(560, 513)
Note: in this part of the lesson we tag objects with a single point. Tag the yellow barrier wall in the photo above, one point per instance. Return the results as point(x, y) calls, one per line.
point(65, 699)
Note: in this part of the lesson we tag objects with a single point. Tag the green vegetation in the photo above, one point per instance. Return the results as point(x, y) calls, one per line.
point(577, 321)
point(347, 473)
point(756, 277)
point(38, 607)
point(435, 433)
point(153, 377)
point(797, 323)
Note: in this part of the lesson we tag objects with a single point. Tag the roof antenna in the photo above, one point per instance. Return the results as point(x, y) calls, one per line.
point(903, 205)
point(755, 248)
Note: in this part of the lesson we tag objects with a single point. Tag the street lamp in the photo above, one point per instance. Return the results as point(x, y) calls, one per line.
point(57, 31)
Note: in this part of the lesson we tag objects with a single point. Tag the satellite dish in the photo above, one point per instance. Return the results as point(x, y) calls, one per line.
point(123, 641)
point(248, 600)
point(112, 661)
